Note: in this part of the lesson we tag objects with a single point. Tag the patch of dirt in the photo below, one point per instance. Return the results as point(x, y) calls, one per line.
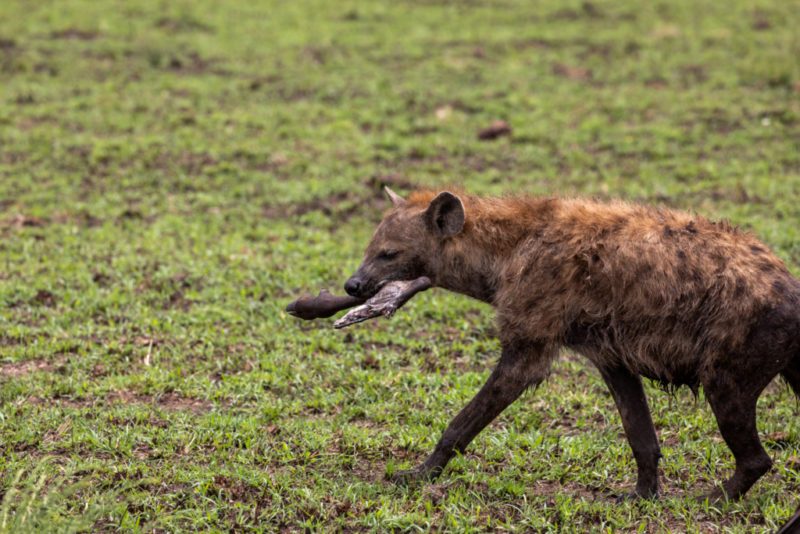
point(260, 81)
point(177, 300)
point(577, 74)
point(18, 369)
point(13, 157)
point(101, 279)
point(74, 33)
point(168, 401)
point(397, 182)
point(183, 24)
point(496, 129)
point(27, 221)
point(342, 205)
point(656, 83)
point(693, 74)
point(174, 286)
point(151, 421)
point(761, 21)
point(172, 402)
point(549, 487)
point(793, 463)
point(193, 63)
point(189, 163)
point(524, 44)
point(587, 10)
point(44, 297)
point(68, 402)
point(236, 490)
point(19, 339)
point(778, 440)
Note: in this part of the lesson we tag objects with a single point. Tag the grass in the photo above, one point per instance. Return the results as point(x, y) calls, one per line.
point(172, 174)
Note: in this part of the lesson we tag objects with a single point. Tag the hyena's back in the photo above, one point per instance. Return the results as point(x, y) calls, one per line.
point(668, 294)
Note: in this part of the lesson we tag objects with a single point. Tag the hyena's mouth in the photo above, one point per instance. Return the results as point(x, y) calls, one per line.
point(372, 291)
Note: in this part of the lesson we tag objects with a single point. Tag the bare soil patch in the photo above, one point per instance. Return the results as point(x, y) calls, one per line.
point(14, 370)
point(168, 401)
point(173, 402)
point(74, 33)
point(342, 205)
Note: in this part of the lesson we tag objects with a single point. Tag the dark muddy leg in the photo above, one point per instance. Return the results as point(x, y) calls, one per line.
point(792, 375)
point(520, 366)
point(628, 393)
point(736, 416)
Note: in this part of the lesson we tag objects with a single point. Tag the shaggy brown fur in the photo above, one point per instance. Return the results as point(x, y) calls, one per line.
point(640, 291)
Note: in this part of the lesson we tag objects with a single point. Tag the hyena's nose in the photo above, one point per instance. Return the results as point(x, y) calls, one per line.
point(352, 286)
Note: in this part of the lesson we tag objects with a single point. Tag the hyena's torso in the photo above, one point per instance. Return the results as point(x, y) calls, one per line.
point(665, 293)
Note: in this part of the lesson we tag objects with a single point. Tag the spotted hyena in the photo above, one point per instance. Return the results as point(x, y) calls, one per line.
point(639, 291)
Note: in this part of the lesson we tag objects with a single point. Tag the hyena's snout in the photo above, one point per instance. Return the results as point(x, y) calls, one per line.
point(362, 285)
point(353, 286)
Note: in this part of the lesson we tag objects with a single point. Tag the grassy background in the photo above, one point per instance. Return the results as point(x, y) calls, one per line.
point(173, 173)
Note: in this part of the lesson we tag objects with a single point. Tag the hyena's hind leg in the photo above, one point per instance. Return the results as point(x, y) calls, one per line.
point(735, 410)
point(792, 375)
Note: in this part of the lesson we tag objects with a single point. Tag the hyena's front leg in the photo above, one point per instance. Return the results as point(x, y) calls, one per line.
point(628, 393)
point(521, 365)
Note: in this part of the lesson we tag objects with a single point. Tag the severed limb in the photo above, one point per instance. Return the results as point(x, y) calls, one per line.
point(323, 305)
point(385, 302)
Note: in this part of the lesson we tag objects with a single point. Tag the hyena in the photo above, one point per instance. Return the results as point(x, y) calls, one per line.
point(639, 291)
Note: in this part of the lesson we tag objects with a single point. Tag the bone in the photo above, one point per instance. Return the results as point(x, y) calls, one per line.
point(385, 302)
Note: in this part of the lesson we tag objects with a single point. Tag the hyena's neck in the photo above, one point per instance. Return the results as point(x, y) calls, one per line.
point(472, 262)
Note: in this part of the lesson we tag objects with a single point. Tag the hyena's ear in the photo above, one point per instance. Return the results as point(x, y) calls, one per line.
point(396, 199)
point(445, 214)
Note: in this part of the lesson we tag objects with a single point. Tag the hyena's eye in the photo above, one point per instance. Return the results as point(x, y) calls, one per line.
point(388, 254)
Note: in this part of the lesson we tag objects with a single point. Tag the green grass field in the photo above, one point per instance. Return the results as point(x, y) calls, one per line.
point(173, 173)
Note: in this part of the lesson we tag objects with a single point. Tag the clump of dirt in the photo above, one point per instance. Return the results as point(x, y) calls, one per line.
point(44, 297)
point(498, 128)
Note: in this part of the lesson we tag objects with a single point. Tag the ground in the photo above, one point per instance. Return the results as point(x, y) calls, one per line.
point(172, 174)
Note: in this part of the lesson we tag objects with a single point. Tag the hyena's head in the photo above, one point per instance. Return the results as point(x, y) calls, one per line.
point(408, 243)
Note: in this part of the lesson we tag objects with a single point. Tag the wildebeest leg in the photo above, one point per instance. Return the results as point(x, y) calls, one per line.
point(520, 366)
point(735, 411)
point(628, 393)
